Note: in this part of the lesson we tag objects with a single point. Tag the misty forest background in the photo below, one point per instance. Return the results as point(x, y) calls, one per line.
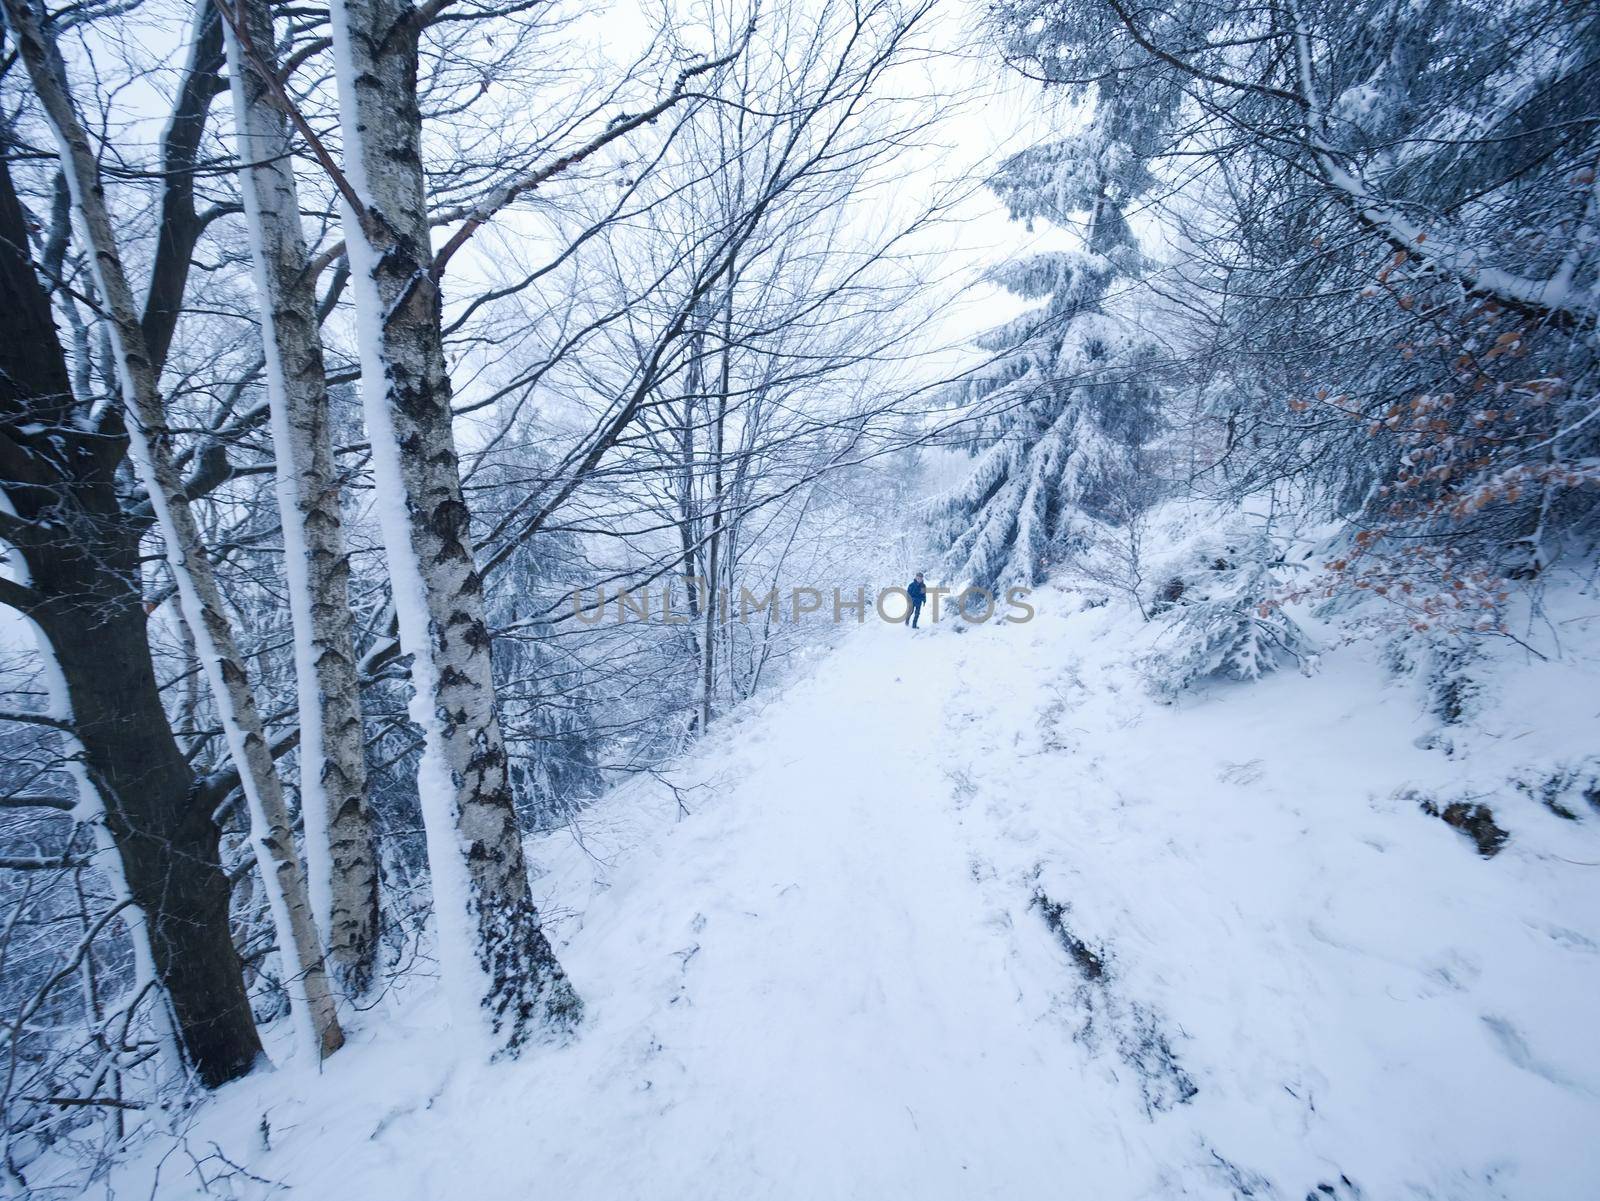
point(343, 343)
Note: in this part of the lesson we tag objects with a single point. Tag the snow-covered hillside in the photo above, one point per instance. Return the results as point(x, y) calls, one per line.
point(964, 913)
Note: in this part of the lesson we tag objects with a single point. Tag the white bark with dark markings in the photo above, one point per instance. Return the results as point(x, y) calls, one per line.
point(341, 856)
point(497, 962)
point(312, 1003)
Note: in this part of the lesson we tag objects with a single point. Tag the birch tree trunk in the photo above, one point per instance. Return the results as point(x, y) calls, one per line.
point(76, 566)
point(713, 562)
point(497, 962)
point(341, 859)
point(315, 1018)
point(688, 518)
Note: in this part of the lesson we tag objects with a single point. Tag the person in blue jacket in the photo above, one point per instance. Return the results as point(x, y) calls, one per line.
point(918, 592)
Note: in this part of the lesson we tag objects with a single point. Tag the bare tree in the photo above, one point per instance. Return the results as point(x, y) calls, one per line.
point(496, 955)
point(339, 848)
point(202, 601)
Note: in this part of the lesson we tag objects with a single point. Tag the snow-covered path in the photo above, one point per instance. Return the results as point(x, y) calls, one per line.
point(844, 1025)
point(966, 915)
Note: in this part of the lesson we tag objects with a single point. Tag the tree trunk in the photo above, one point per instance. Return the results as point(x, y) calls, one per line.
point(82, 593)
point(688, 520)
point(341, 857)
point(713, 564)
point(497, 961)
point(271, 832)
point(166, 842)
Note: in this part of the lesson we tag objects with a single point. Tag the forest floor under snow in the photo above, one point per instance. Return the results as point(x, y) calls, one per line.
point(967, 914)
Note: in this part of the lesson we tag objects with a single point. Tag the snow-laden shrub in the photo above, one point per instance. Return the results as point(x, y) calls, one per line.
point(1449, 672)
point(1569, 790)
point(1222, 615)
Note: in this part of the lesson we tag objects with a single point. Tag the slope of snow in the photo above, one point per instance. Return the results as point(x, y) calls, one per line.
point(965, 914)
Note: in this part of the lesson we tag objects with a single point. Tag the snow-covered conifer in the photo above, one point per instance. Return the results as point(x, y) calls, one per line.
point(1069, 392)
point(1223, 612)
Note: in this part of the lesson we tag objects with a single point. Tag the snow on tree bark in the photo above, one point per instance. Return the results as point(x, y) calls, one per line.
point(494, 952)
point(341, 857)
point(77, 550)
point(315, 1017)
point(90, 810)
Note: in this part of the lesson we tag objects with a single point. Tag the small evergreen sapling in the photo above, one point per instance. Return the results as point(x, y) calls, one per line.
point(1224, 617)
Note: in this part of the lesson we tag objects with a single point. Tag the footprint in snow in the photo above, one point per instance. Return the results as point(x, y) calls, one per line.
point(1240, 773)
point(1570, 939)
point(1508, 1040)
point(1454, 972)
point(1344, 1190)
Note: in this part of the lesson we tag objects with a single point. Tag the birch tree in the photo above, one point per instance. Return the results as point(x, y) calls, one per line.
point(495, 954)
point(339, 850)
point(202, 603)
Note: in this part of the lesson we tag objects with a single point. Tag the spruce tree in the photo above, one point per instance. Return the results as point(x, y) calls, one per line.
point(1069, 395)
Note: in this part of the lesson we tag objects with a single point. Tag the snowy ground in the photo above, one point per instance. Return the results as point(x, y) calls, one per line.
point(968, 915)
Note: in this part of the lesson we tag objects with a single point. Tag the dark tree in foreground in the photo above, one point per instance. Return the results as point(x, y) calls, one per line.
point(76, 535)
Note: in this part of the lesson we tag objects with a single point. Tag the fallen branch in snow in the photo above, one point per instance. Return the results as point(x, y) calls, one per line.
point(1139, 1039)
